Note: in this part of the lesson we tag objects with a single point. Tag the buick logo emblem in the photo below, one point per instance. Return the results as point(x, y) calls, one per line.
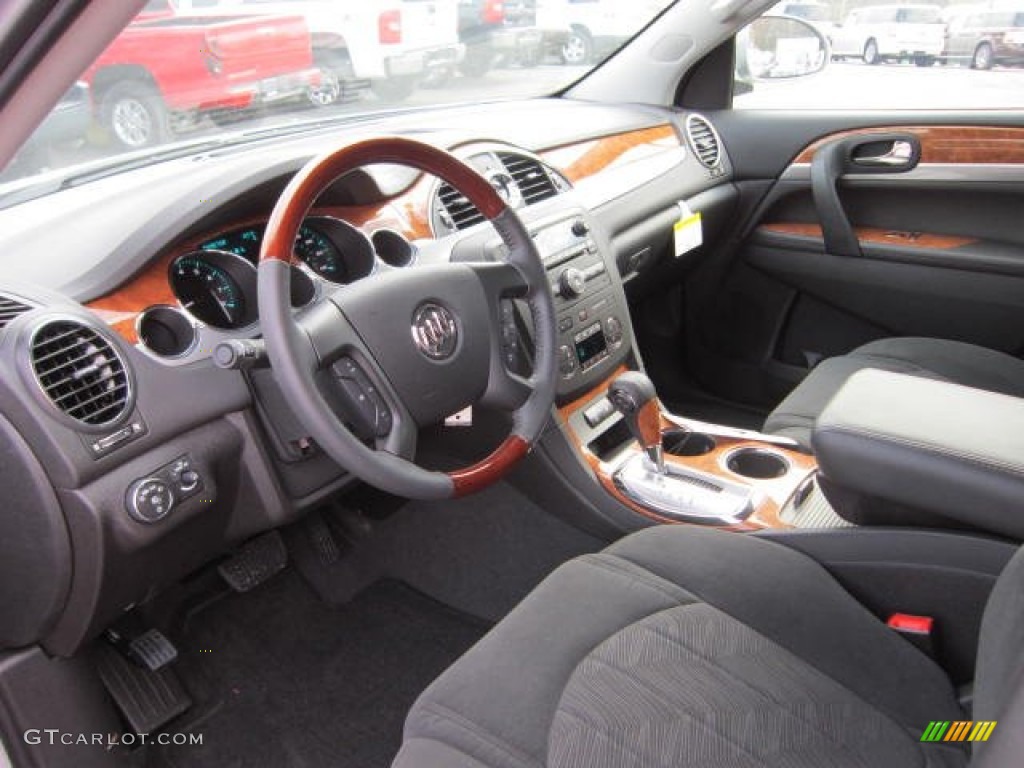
point(435, 332)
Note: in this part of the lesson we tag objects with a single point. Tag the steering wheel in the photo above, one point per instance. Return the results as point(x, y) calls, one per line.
point(405, 348)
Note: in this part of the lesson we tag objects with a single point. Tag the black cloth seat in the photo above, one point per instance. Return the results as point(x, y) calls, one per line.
point(681, 646)
point(952, 361)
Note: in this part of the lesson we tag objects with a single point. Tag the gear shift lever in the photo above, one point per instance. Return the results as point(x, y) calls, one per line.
point(632, 394)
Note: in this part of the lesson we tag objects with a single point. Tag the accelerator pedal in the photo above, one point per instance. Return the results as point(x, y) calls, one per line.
point(255, 562)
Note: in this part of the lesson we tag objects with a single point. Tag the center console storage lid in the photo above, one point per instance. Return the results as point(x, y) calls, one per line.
point(928, 445)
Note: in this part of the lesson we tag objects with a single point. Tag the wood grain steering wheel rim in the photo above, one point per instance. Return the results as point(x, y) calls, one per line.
point(303, 348)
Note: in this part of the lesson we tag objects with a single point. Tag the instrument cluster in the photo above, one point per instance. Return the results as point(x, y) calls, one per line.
point(215, 284)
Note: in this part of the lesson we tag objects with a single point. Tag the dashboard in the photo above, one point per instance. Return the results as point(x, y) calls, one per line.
point(145, 459)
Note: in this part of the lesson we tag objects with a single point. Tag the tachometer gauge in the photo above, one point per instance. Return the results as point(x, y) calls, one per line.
point(320, 255)
point(212, 285)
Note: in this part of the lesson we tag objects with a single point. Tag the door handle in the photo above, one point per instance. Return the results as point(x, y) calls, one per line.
point(859, 154)
point(900, 155)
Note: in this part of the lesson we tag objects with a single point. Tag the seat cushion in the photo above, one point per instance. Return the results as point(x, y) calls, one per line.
point(954, 361)
point(685, 647)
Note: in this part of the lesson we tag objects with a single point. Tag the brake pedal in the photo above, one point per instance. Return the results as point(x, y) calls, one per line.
point(255, 562)
point(148, 698)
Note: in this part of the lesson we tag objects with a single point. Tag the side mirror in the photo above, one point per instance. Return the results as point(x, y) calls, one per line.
point(779, 47)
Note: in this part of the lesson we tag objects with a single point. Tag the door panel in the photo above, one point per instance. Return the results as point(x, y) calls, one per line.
point(937, 250)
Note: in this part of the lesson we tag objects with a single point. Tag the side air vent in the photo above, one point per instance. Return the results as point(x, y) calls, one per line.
point(461, 212)
point(10, 309)
point(704, 141)
point(80, 372)
point(529, 175)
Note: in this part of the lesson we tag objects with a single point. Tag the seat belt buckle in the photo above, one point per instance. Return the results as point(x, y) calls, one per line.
point(917, 630)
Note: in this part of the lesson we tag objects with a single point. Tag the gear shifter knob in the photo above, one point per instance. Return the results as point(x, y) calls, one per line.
point(633, 395)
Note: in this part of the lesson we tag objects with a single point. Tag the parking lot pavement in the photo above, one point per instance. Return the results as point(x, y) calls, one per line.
point(854, 85)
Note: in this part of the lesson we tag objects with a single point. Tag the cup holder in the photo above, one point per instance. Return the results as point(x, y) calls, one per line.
point(757, 463)
point(681, 442)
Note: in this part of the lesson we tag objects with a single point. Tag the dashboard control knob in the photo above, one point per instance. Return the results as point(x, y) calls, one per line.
point(150, 500)
point(613, 329)
point(566, 361)
point(580, 228)
point(188, 480)
point(236, 354)
point(571, 283)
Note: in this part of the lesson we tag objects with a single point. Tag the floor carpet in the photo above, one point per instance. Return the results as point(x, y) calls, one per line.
point(286, 680)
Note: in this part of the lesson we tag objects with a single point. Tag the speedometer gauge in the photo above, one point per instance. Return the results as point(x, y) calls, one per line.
point(208, 286)
point(320, 254)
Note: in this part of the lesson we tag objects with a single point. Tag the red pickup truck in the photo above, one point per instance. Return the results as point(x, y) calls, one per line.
point(167, 69)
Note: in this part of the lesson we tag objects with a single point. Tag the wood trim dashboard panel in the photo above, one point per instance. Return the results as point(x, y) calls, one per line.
point(872, 235)
point(408, 214)
point(773, 493)
point(958, 145)
point(584, 159)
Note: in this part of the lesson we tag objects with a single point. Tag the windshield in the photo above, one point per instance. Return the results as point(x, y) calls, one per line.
point(188, 72)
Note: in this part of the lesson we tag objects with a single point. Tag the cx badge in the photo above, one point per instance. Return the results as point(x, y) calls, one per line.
point(435, 331)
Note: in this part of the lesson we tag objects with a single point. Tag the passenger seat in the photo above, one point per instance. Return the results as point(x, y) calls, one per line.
point(952, 361)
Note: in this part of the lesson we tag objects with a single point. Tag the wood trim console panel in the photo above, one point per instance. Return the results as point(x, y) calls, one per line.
point(774, 493)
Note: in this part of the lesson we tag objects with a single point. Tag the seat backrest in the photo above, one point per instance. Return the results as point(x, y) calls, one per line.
point(999, 680)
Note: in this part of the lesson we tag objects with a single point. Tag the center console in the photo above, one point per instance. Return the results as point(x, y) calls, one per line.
point(699, 473)
point(713, 475)
point(591, 312)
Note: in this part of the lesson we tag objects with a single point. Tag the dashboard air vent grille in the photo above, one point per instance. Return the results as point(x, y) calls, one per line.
point(80, 372)
point(462, 212)
point(704, 140)
point(10, 309)
point(531, 178)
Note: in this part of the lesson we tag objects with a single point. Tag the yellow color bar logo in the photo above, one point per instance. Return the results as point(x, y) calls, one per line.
point(959, 730)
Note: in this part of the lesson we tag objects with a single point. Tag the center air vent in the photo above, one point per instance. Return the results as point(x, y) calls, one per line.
point(10, 309)
point(531, 178)
point(80, 372)
point(519, 178)
point(704, 141)
point(461, 212)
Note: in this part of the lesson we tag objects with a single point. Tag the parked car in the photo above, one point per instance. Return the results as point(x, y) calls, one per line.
point(985, 38)
point(891, 32)
point(168, 68)
point(817, 14)
point(388, 45)
point(598, 27)
point(493, 31)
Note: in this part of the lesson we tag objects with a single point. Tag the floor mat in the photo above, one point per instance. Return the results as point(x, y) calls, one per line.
point(299, 683)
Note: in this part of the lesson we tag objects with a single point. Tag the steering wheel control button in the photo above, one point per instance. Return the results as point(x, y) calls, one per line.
point(150, 500)
point(435, 331)
point(368, 411)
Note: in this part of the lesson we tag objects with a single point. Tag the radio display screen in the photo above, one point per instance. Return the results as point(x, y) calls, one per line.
point(591, 347)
